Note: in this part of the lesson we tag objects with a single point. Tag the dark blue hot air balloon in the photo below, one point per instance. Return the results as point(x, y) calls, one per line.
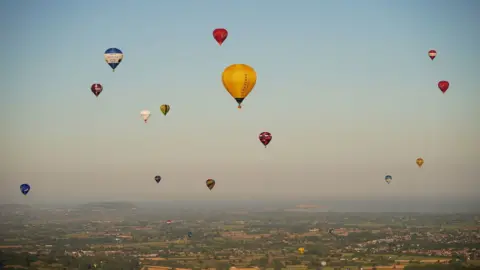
point(25, 188)
point(190, 234)
point(113, 57)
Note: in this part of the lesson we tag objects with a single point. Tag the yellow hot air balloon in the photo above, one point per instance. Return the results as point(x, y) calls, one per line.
point(301, 250)
point(420, 162)
point(239, 80)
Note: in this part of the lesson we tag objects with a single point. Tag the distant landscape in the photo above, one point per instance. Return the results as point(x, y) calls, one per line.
point(132, 235)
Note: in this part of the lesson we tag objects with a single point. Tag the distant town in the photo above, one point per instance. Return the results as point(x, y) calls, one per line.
point(122, 235)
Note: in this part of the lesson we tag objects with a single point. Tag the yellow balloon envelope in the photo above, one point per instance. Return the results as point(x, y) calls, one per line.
point(420, 162)
point(239, 80)
point(301, 250)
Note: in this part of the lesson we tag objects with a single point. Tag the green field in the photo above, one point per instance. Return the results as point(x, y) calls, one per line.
point(366, 225)
point(233, 227)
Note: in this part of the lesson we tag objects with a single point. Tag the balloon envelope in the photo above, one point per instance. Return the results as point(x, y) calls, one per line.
point(220, 35)
point(432, 54)
point(96, 89)
point(165, 108)
point(388, 179)
point(265, 138)
point(443, 85)
point(239, 80)
point(145, 115)
point(158, 178)
point(210, 183)
point(420, 162)
point(113, 57)
point(24, 188)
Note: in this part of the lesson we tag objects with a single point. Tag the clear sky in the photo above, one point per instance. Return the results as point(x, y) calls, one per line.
point(345, 87)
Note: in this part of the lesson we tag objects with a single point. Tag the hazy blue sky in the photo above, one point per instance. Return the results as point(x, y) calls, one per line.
point(345, 87)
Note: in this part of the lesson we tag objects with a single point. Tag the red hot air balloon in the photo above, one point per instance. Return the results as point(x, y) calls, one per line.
point(220, 34)
point(443, 85)
point(432, 54)
point(265, 138)
point(96, 89)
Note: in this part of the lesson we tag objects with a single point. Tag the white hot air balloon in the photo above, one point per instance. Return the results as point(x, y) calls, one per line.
point(145, 115)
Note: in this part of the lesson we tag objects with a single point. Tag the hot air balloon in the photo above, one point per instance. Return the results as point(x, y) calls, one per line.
point(113, 57)
point(432, 54)
point(265, 138)
point(210, 183)
point(145, 115)
point(169, 221)
point(220, 35)
point(158, 178)
point(388, 179)
point(165, 108)
point(25, 188)
point(190, 234)
point(96, 89)
point(239, 80)
point(330, 231)
point(419, 162)
point(301, 250)
point(443, 85)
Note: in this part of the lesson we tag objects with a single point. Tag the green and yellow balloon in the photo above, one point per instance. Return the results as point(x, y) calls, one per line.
point(165, 108)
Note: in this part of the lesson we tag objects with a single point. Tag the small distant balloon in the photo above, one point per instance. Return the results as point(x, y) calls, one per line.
point(388, 179)
point(169, 221)
point(158, 178)
point(113, 57)
point(301, 250)
point(432, 54)
point(165, 108)
point(190, 234)
point(220, 35)
point(25, 188)
point(210, 183)
point(324, 263)
point(265, 138)
point(96, 89)
point(420, 162)
point(145, 115)
point(443, 85)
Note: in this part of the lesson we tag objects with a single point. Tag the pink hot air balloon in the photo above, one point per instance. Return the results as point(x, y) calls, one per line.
point(220, 34)
point(265, 138)
point(432, 54)
point(443, 85)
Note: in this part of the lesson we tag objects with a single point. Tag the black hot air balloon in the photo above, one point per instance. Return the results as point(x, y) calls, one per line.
point(158, 178)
